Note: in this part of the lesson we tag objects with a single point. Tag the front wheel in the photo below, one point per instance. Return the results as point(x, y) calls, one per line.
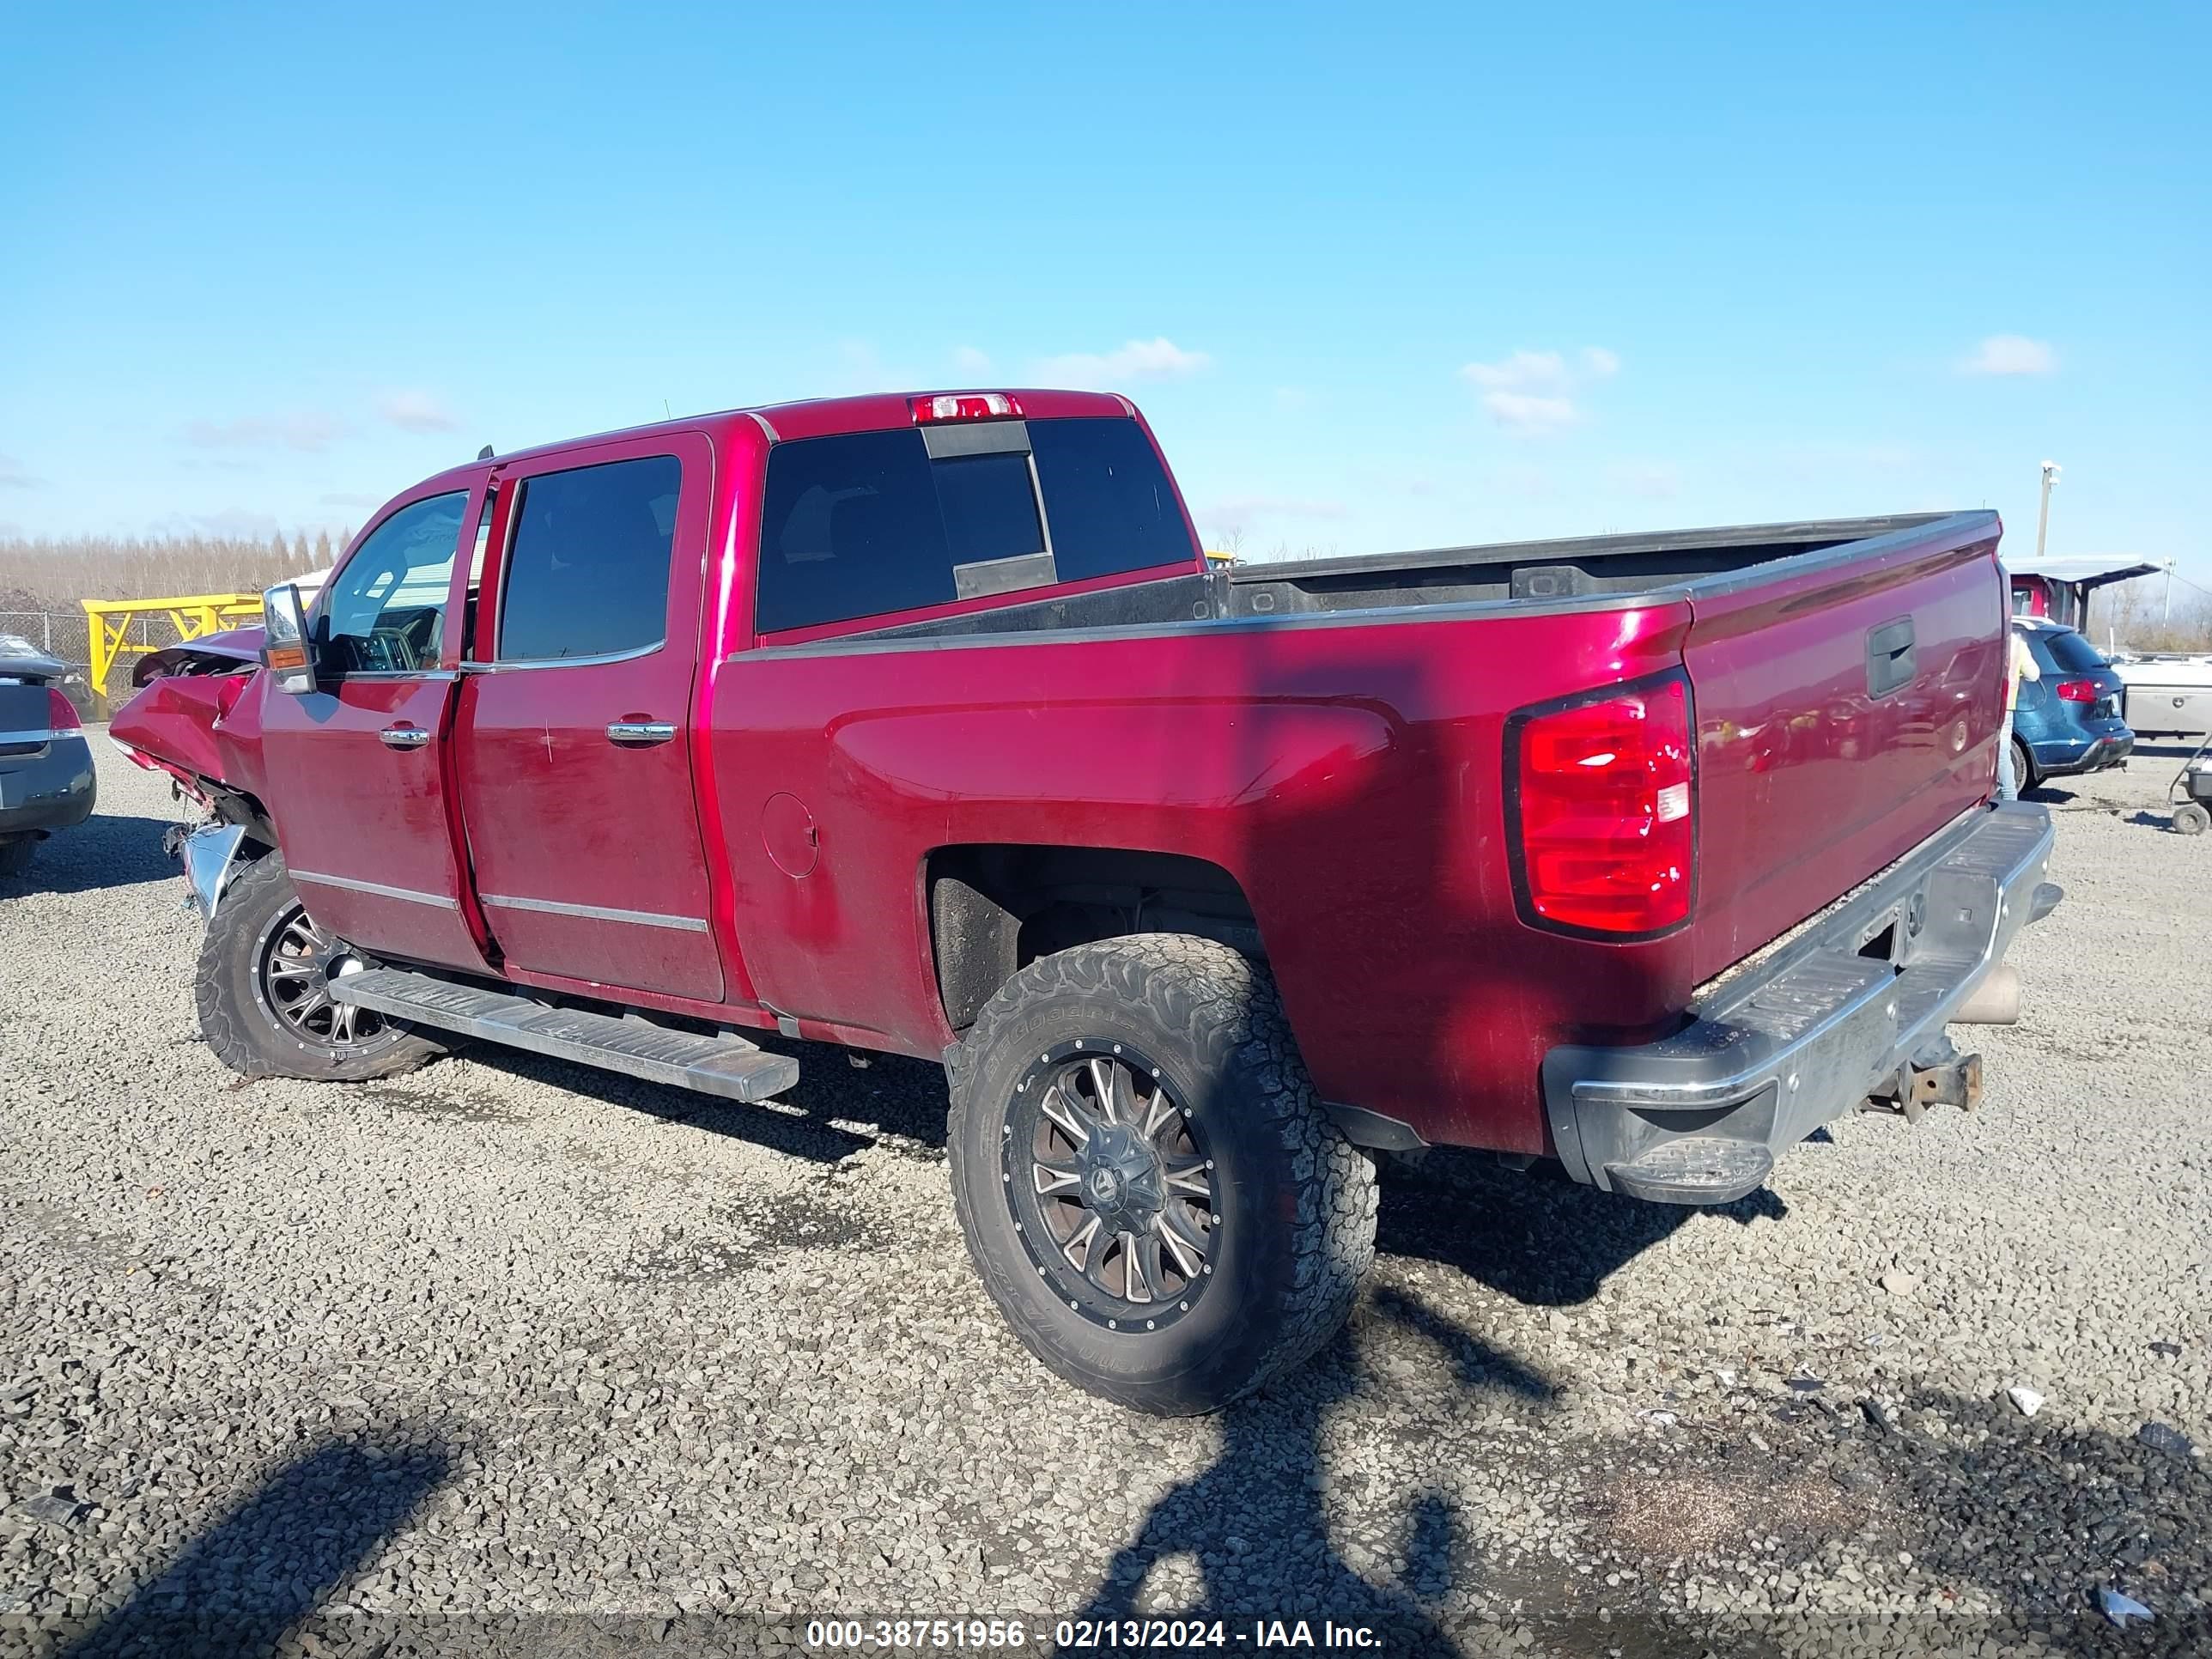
point(1148, 1185)
point(2191, 819)
point(262, 989)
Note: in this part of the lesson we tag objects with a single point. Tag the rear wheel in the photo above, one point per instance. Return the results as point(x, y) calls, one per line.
point(15, 855)
point(262, 989)
point(1148, 1185)
point(2023, 768)
point(2191, 819)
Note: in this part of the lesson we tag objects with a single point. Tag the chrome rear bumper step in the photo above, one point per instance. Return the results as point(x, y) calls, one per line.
point(1854, 1009)
point(726, 1065)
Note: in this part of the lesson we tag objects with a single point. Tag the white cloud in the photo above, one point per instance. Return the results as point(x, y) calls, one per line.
point(13, 475)
point(1523, 371)
point(969, 361)
point(2010, 354)
point(1534, 391)
point(1160, 359)
point(413, 411)
point(1527, 411)
point(303, 429)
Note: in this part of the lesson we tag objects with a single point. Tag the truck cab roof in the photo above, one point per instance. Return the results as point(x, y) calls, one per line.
point(819, 418)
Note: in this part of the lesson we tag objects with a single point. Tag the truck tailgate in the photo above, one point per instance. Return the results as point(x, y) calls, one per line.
point(1847, 703)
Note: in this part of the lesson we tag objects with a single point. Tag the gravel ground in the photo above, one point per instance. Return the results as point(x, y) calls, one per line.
point(509, 1357)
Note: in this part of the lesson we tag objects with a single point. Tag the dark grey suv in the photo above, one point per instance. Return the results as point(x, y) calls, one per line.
point(46, 779)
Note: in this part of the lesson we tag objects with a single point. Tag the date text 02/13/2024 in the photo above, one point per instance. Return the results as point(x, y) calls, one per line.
point(1084, 1635)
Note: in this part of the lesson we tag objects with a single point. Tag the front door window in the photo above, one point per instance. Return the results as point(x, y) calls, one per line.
point(385, 613)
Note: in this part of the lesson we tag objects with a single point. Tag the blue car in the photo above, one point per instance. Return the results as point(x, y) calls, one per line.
point(2068, 721)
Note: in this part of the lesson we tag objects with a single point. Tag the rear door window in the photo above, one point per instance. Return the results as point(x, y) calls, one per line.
point(587, 561)
point(868, 522)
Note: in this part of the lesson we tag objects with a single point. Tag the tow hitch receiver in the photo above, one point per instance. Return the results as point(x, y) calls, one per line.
point(1938, 1075)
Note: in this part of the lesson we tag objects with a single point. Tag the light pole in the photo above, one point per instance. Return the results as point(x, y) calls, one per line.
point(2043, 519)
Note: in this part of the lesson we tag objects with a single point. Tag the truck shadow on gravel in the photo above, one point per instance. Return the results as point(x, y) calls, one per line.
point(1536, 1236)
point(893, 1102)
point(1257, 1523)
point(106, 850)
point(237, 1589)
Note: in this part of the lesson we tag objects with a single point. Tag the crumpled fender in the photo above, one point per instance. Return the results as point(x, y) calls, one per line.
point(199, 726)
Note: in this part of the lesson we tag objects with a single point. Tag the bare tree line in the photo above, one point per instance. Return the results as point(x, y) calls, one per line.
point(2151, 613)
point(54, 573)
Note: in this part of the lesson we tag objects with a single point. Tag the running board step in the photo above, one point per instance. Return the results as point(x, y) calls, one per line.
point(726, 1065)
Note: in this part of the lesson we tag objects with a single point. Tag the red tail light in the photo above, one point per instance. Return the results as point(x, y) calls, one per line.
point(964, 406)
point(2078, 691)
point(61, 713)
point(1602, 817)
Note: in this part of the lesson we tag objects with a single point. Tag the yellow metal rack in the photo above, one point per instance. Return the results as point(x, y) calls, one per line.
point(191, 618)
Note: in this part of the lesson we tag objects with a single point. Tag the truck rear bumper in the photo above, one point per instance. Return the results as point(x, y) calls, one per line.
point(1845, 1010)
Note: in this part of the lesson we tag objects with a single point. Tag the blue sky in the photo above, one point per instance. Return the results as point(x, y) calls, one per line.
point(1381, 277)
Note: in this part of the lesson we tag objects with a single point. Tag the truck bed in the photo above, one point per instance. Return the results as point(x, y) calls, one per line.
point(1331, 735)
point(1516, 575)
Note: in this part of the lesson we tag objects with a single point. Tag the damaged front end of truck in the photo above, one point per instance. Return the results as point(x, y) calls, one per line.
point(196, 716)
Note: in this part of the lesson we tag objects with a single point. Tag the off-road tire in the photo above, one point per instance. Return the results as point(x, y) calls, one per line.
point(16, 851)
point(1297, 1199)
point(2024, 776)
point(237, 1024)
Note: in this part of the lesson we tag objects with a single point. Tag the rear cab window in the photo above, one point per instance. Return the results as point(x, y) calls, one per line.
point(868, 523)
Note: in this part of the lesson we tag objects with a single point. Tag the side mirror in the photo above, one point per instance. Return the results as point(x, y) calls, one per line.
point(285, 650)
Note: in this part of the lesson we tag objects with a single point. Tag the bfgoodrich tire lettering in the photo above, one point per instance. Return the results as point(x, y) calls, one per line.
point(241, 1013)
point(1297, 1200)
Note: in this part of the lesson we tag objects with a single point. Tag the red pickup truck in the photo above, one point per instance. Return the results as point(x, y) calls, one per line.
point(922, 723)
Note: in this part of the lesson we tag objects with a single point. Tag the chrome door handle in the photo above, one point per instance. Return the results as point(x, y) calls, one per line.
point(404, 736)
point(640, 730)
